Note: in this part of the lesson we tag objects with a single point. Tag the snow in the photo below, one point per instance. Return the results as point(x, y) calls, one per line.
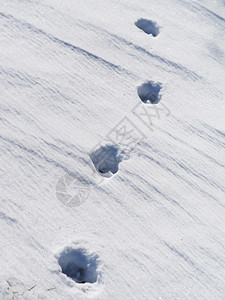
point(75, 77)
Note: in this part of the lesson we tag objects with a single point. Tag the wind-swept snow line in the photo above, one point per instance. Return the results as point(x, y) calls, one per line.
point(68, 45)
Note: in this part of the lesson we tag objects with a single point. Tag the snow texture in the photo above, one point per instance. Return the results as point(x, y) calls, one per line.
point(76, 76)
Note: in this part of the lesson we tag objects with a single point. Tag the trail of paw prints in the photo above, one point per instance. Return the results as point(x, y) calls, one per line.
point(106, 160)
point(148, 26)
point(150, 92)
point(79, 267)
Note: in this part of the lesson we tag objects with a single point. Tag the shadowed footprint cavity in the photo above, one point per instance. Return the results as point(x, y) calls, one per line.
point(79, 265)
point(148, 26)
point(150, 92)
point(106, 160)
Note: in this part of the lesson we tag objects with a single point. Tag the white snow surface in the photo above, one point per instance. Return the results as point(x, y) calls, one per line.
point(69, 75)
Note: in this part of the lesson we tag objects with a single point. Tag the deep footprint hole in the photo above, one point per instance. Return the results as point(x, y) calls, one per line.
point(106, 160)
point(148, 26)
point(79, 265)
point(150, 92)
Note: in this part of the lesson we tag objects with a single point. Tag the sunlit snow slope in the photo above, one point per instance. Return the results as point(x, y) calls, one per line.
point(71, 74)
